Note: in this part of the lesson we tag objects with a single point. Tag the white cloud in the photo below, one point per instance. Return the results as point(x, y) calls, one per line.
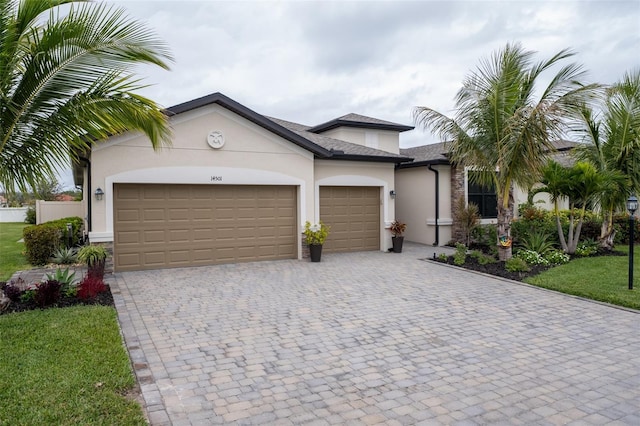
point(311, 61)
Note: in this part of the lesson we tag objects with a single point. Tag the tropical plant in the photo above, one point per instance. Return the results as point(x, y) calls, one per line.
point(315, 234)
point(532, 257)
point(67, 280)
point(64, 256)
point(90, 287)
point(505, 125)
point(66, 79)
point(92, 254)
point(397, 228)
point(467, 216)
point(538, 241)
point(581, 184)
point(613, 147)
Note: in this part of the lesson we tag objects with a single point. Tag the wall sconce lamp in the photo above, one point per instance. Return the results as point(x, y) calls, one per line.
point(99, 193)
point(392, 193)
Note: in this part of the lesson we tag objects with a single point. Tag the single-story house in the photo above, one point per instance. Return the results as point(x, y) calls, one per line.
point(238, 186)
point(427, 189)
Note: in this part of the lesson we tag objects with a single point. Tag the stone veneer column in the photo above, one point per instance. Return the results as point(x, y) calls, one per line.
point(457, 191)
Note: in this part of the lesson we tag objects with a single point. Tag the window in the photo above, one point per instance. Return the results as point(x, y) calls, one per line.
point(484, 197)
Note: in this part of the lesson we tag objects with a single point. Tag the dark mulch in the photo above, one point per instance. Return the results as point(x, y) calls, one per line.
point(496, 269)
point(105, 299)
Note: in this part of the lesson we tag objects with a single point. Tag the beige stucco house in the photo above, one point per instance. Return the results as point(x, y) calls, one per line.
point(239, 186)
point(427, 189)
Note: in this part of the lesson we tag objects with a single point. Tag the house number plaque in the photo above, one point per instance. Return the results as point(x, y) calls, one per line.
point(215, 139)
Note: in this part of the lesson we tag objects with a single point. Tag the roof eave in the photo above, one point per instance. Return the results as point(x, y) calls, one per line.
point(434, 162)
point(369, 158)
point(361, 125)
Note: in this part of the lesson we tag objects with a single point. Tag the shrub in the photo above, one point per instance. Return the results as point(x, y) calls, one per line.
point(467, 216)
point(531, 257)
point(460, 256)
point(90, 287)
point(397, 228)
point(557, 257)
point(442, 257)
point(12, 291)
point(315, 234)
point(47, 293)
point(40, 241)
point(485, 236)
point(76, 229)
point(515, 264)
point(483, 259)
point(30, 217)
point(27, 295)
point(587, 248)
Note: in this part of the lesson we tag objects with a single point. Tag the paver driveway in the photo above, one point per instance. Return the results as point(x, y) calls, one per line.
point(369, 338)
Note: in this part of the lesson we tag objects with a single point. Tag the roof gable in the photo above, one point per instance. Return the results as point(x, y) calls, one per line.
point(359, 121)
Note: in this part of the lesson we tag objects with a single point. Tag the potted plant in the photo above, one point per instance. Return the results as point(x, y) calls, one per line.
point(397, 229)
point(94, 256)
point(316, 235)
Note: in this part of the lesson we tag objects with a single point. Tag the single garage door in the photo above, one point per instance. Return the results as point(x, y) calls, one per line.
point(167, 226)
point(354, 216)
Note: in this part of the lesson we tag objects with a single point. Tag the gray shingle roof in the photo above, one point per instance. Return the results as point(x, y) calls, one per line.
point(360, 121)
point(336, 145)
point(436, 153)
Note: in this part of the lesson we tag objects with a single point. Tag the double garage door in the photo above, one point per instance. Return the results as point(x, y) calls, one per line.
point(166, 226)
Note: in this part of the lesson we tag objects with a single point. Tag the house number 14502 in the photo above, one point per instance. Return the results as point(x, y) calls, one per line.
point(216, 178)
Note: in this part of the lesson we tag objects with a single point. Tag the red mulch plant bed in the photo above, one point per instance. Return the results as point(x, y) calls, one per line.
point(105, 298)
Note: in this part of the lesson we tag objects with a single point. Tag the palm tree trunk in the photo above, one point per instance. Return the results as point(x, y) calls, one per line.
point(563, 242)
point(607, 231)
point(505, 216)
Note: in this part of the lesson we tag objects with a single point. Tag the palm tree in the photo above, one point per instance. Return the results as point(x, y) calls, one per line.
point(613, 138)
point(66, 80)
point(504, 126)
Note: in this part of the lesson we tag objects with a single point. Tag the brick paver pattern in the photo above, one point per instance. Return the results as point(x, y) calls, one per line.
point(373, 338)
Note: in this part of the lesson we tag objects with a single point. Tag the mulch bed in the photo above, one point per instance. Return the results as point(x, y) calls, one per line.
point(105, 298)
point(498, 270)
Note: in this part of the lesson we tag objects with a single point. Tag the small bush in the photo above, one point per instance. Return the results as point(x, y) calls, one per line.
point(460, 256)
point(30, 217)
point(67, 280)
point(76, 230)
point(47, 293)
point(515, 264)
point(40, 241)
point(538, 241)
point(90, 287)
point(587, 248)
point(483, 259)
point(442, 257)
point(532, 257)
point(12, 291)
point(556, 257)
point(27, 296)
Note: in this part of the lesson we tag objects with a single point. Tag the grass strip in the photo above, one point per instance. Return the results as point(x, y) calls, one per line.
point(65, 366)
point(603, 278)
point(11, 257)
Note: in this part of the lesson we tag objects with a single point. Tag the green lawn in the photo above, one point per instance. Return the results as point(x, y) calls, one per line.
point(603, 278)
point(11, 258)
point(65, 366)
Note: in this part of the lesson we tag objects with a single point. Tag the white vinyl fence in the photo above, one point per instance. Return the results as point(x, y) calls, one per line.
point(13, 214)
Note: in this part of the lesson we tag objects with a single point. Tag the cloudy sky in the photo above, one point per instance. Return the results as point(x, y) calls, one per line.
point(312, 61)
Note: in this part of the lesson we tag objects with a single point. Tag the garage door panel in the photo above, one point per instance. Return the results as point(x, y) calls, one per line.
point(159, 226)
point(353, 213)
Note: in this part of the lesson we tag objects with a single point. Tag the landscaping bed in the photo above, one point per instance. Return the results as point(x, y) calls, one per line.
point(104, 299)
point(497, 268)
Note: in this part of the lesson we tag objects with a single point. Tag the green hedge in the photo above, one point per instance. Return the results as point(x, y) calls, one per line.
point(40, 241)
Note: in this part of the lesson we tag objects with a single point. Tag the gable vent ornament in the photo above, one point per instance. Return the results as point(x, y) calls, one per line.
point(215, 139)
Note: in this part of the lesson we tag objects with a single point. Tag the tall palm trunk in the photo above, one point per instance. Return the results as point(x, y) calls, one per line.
point(505, 216)
point(607, 231)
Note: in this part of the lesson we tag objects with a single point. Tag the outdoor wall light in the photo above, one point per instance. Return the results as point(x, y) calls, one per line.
point(99, 193)
point(632, 206)
point(392, 193)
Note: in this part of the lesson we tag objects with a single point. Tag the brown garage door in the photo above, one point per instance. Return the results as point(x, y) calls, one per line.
point(167, 226)
point(354, 216)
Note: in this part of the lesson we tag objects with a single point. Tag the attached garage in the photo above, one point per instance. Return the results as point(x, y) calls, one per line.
point(167, 226)
point(353, 213)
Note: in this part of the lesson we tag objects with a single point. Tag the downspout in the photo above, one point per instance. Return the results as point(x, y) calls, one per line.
point(437, 242)
point(88, 163)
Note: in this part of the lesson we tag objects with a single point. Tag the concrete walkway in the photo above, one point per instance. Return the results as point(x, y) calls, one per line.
point(373, 338)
